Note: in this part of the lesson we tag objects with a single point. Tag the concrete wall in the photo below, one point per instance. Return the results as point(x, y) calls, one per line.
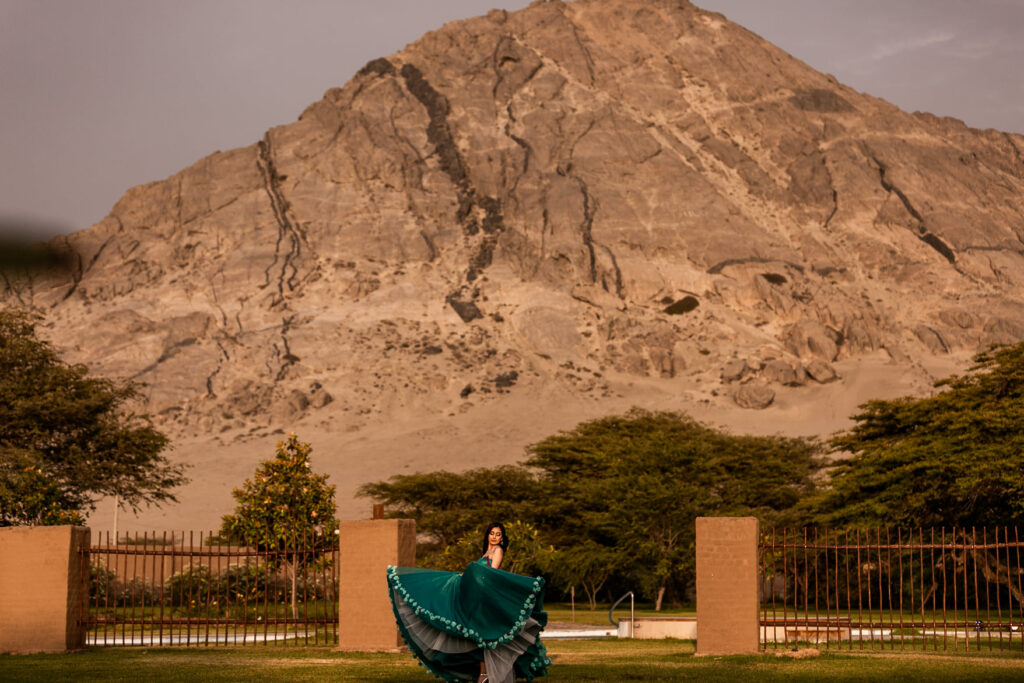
point(367, 622)
point(650, 628)
point(727, 580)
point(43, 588)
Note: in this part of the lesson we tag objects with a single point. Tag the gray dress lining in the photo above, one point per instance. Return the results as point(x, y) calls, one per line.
point(499, 662)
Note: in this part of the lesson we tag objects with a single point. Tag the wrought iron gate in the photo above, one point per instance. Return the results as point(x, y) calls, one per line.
point(170, 589)
point(924, 589)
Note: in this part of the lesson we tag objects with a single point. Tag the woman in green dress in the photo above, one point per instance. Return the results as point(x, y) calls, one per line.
point(481, 624)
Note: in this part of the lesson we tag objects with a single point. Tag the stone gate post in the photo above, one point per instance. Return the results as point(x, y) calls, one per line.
point(727, 585)
point(44, 579)
point(366, 621)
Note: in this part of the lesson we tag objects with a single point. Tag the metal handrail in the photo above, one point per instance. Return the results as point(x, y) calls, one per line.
point(632, 612)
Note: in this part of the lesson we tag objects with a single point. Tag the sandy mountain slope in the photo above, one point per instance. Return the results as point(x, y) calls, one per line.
point(528, 219)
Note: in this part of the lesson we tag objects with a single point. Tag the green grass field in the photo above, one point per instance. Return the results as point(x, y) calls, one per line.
point(574, 660)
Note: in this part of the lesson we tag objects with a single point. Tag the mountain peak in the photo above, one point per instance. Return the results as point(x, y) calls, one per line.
point(530, 218)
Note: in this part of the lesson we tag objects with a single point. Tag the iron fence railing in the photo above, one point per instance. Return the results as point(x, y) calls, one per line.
point(198, 589)
point(923, 589)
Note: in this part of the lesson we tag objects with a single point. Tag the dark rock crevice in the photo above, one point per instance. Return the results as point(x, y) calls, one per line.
point(523, 144)
point(464, 306)
point(224, 358)
point(439, 133)
point(922, 233)
point(587, 224)
point(375, 68)
point(288, 247)
point(590, 207)
point(979, 247)
point(618, 272)
point(476, 213)
point(77, 271)
point(178, 206)
point(216, 301)
point(832, 213)
point(430, 245)
point(721, 265)
point(378, 67)
point(168, 353)
point(835, 194)
point(505, 53)
point(587, 234)
point(283, 353)
point(588, 60)
point(209, 211)
point(96, 256)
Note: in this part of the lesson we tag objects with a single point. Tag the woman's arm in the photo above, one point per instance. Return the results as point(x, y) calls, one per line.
point(496, 558)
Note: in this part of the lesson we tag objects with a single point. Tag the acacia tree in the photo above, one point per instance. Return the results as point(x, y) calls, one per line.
point(588, 565)
point(625, 490)
point(449, 506)
point(615, 497)
point(67, 438)
point(953, 459)
point(286, 508)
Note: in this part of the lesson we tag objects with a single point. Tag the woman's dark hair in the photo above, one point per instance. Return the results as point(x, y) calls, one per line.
point(504, 537)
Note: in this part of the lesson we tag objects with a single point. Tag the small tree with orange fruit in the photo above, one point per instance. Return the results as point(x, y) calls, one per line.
point(286, 508)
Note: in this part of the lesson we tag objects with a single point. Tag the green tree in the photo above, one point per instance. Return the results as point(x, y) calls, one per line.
point(589, 565)
point(66, 438)
point(952, 459)
point(528, 553)
point(29, 496)
point(285, 508)
point(614, 497)
point(448, 506)
point(623, 491)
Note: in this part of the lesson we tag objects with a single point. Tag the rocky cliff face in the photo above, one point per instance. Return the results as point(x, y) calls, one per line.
point(556, 212)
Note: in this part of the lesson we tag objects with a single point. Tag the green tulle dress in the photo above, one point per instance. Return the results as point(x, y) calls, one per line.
point(454, 621)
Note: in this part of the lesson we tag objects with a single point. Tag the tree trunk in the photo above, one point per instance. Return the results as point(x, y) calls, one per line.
point(1000, 575)
point(661, 596)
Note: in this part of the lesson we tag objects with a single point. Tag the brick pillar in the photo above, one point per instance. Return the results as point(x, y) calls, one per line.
point(366, 621)
point(727, 580)
point(43, 588)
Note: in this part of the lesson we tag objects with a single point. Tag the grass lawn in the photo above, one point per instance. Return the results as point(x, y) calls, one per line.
point(574, 660)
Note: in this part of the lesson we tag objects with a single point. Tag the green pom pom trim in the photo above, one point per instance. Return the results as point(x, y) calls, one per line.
point(449, 626)
point(538, 656)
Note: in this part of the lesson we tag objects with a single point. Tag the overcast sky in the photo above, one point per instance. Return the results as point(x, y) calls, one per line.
point(99, 95)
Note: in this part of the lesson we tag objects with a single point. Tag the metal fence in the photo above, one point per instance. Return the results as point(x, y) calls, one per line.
point(193, 589)
point(923, 589)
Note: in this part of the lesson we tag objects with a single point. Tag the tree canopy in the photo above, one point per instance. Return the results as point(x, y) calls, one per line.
point(625, 490)
point(447, 506)
point(283, 503)
point(68, 438)
point(955, 458)
point(285, 507)
point(615, 497)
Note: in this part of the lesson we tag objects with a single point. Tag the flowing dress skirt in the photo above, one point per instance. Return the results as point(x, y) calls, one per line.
point(453, 621)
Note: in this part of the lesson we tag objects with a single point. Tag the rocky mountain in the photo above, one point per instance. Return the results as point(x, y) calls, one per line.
point(527, 219)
